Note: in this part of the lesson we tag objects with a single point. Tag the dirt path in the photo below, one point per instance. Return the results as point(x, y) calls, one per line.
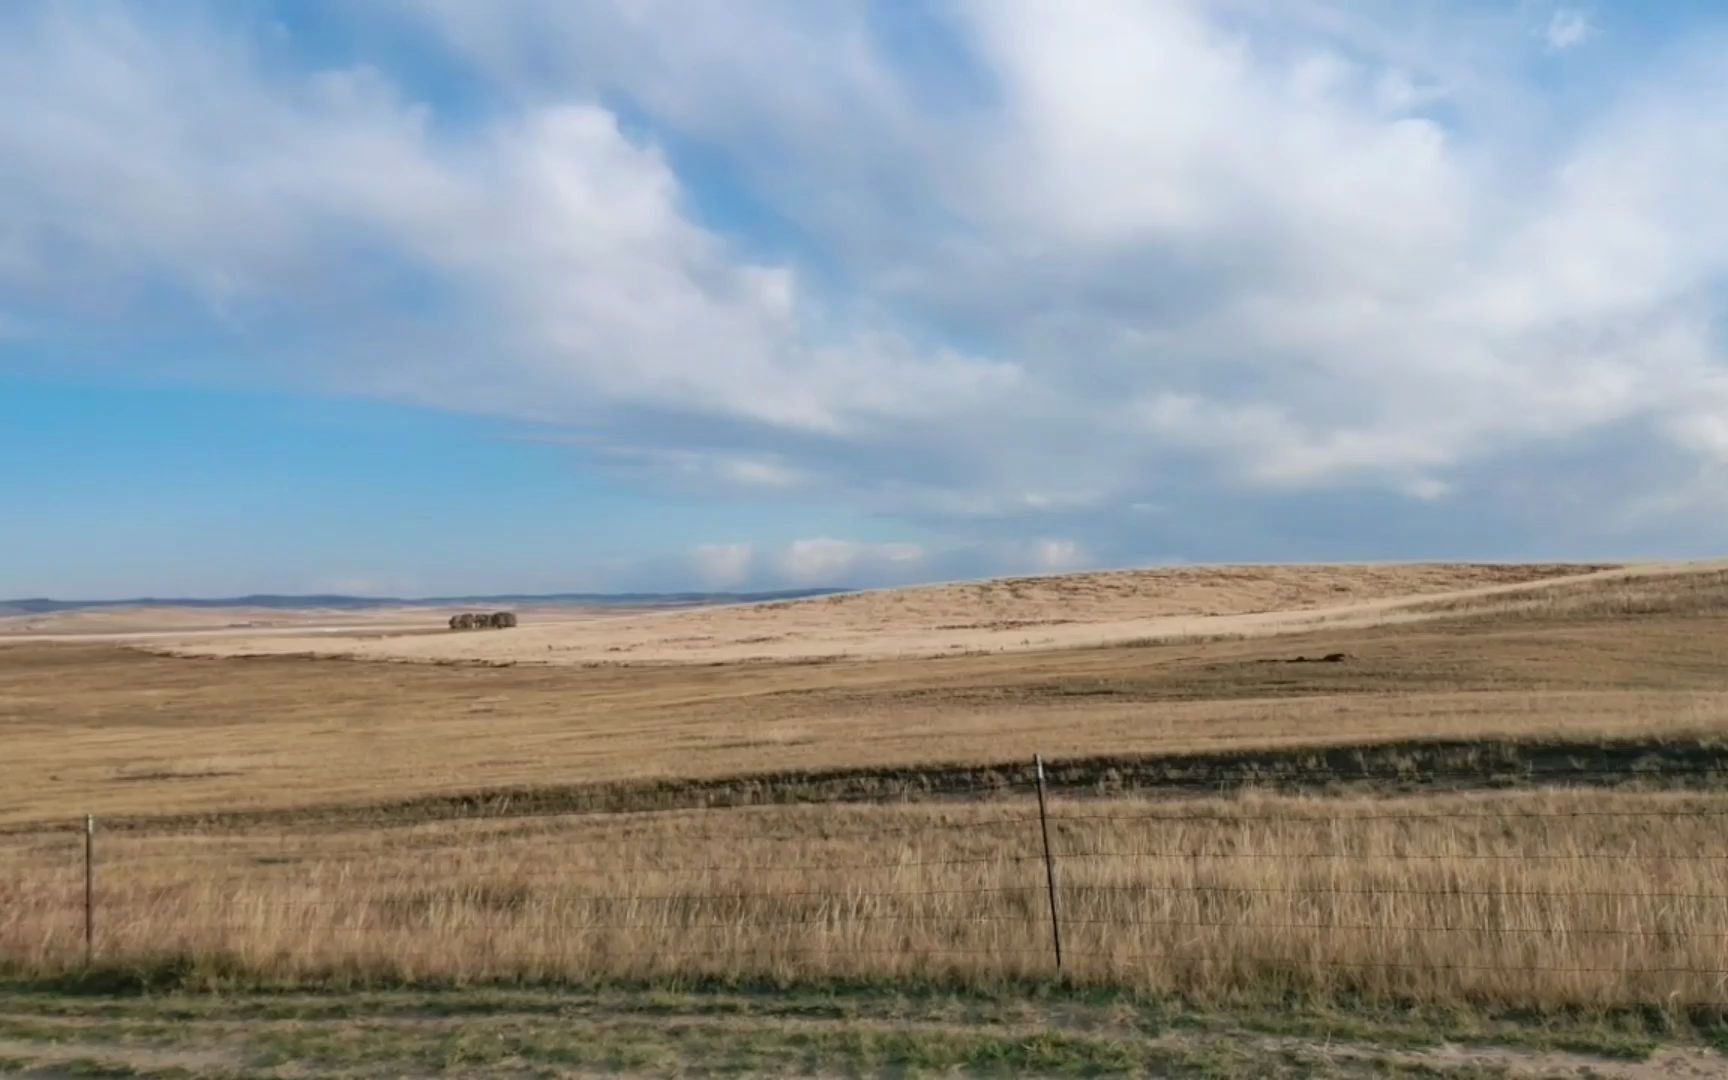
point(78, 1057)
point(660, 1033)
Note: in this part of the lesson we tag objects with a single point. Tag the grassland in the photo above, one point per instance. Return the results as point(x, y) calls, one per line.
point(1553, 899)
point(113, 731)
point(1001, 615)
point(1505, 803)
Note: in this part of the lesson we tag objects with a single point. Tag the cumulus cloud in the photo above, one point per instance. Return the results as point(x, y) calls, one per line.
point(1568, 28)
point(1056, 555)
point(697, 470)
point(151, 155)
point(723, 566)
point(827, 561)
point(1241, 263)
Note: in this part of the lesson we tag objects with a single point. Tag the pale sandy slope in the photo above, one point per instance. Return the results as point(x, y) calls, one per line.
point(1004, 614)
point(139, 619)
point(138, 623)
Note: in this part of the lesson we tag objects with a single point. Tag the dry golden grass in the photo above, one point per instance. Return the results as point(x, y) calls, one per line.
point(1588, 903)
point(1003, 615)
point(111, 731)
point(1690, 590)
point(1539, 898)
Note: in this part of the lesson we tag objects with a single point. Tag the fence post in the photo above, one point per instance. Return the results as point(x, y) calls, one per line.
point(1049, 863)
point(89, 889)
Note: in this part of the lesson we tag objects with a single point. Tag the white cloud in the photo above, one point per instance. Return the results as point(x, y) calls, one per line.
point(1372, 309)
point(1568, 28)
point(827, 561)
point(755, 472)
point(830, 561)
point(1195, 251)
point(1703, 427)
point(724, 566)
point(1055, 555)
point(700, 469)
point(579, 278)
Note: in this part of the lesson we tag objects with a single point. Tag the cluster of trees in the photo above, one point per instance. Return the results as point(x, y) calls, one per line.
point(497, 620)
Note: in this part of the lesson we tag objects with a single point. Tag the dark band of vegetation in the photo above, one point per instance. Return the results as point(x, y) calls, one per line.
point(1408, 767)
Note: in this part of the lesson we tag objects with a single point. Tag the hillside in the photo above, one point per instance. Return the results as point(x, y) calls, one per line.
point(1002, 615)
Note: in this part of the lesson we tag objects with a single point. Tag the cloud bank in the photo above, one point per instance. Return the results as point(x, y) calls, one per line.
point(1068, 284)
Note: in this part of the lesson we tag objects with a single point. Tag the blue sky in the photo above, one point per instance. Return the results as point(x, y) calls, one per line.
point(429, 296)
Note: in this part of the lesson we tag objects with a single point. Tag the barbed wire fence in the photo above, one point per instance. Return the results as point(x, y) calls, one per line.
point(1635, 905)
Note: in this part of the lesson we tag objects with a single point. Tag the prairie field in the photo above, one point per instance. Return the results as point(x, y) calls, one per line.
point(999, 615)
point(112, 730)
point(1559, 899)
point(1496, 800)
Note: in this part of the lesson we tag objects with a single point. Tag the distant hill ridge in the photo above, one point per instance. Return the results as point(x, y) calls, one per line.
point(44, 606)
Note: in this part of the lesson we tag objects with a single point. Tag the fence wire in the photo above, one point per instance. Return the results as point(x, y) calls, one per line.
point(253, 892)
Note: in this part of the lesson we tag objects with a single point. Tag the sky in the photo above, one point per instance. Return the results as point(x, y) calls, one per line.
point(421, 297)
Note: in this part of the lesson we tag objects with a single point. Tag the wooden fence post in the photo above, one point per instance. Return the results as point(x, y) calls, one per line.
point(1049, 863)
point(89, 889)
